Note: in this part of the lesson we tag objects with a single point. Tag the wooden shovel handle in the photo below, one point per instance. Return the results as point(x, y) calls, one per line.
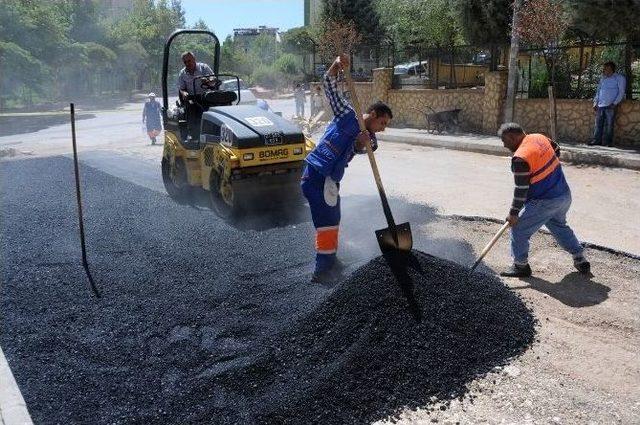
point(372, 158)
point(491, 244)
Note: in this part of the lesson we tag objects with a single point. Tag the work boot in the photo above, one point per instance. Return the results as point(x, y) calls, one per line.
point(517, 270)
point(153, 140)
point(326, 276)
point(582, 265)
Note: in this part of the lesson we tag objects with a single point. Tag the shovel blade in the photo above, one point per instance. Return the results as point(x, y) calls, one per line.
point(400, 241)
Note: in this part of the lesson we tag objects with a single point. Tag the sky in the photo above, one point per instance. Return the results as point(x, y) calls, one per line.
point(222, 16)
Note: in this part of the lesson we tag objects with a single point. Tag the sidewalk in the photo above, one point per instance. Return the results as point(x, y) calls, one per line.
point(13, 410)
point(491, 145)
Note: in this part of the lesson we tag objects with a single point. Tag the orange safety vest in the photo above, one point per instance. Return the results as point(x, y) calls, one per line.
point(537, 151)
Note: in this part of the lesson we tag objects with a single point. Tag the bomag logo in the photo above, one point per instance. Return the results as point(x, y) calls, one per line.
point(273, 153)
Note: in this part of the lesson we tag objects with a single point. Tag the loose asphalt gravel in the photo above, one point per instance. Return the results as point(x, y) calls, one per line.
point(205, 321)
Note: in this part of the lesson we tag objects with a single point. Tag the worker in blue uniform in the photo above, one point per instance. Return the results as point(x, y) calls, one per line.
point(326, 166)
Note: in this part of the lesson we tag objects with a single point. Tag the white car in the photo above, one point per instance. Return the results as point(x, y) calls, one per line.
point(246, 96)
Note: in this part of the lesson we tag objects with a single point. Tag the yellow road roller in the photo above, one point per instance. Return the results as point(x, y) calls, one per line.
point(243, 155)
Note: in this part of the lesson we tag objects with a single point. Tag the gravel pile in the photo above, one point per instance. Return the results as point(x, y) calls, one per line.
point(387, 338)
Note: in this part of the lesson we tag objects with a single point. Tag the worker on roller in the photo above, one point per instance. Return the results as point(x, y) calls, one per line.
point(326, 165)
point(541, 198)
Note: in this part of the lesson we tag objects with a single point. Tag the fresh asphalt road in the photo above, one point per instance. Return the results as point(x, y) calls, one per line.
point(174, 308)
point(452, 182)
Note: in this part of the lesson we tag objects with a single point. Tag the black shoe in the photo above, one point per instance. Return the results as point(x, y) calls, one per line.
point(582, 265)
point(517, 271)
point(328, 276)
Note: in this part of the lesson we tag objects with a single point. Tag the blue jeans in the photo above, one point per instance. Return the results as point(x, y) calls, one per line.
point(544, 212)
point(605, 118)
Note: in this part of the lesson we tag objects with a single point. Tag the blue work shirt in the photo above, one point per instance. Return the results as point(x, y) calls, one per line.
point(337, 147)
point(610, 91)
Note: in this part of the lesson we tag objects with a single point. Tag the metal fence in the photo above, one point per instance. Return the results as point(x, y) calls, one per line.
point(575, 69)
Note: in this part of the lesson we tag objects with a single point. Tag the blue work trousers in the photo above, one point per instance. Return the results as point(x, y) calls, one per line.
point(605, 119)
point(326, 218)
point(544, 212)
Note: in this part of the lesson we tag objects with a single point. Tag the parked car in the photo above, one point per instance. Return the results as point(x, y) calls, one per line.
point(246, 96)
point(411, 69)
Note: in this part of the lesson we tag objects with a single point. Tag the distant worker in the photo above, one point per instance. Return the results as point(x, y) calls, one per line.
point(262, 104)
point(326, 166)
point(315, 101)
point(541, 188)
point(186, 77)
point(299, 96)
point(609, 94)
point(152, 118)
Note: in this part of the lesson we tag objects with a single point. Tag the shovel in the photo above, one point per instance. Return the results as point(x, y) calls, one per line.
point(490, 245)
point(396, 237)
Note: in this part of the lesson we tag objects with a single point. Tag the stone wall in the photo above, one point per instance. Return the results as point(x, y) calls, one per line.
point(493, 103)
point(409, 106)
point(482, 109)
point(575, 119)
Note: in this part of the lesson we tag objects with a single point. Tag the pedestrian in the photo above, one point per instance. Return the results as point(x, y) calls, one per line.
point(609, 94)
point(326, 166)
point(541, 198)
point(315, 101)
point(299, 96)
point(152, 118)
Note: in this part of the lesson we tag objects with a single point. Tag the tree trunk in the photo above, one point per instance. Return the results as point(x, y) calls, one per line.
point(552, 114)
point(510, 102)
point(627, 68)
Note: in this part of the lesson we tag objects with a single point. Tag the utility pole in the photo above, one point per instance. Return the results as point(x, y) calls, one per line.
point(510, 103)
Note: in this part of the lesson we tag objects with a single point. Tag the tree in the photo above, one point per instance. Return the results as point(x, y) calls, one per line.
point(543, 23)
point(485, 23)
point(338, 37)
point(298, 41)
point(361, 13)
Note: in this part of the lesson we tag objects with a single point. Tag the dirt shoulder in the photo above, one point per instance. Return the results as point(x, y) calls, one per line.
point(584, 366)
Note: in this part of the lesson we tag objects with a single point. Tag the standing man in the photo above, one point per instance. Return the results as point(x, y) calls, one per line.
point(186, 91)
point(545, 195)
point(151, 117)
point(608, 96)
point(299, 96)
point(326, 165)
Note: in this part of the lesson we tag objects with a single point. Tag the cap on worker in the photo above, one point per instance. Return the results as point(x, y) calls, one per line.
point(152, 94)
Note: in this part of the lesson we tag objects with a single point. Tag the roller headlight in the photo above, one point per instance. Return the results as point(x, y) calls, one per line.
point(247, 156)
point(297, 151)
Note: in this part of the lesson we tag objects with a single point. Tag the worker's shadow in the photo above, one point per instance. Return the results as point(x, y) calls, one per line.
point(574, 290)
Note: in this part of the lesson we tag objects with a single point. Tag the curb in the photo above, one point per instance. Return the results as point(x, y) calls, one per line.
point(13, 409)
point(568, 153)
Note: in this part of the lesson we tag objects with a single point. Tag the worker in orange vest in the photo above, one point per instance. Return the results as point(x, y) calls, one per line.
point(541, 198)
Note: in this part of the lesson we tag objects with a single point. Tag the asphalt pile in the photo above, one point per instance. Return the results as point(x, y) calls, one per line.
point(398, 333)
point(203, 322)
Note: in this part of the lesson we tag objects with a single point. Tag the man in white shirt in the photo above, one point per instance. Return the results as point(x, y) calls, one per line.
point(187, 75)
point(608, 96)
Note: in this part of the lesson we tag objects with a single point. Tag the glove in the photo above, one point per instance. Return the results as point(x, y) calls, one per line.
point(330, 192)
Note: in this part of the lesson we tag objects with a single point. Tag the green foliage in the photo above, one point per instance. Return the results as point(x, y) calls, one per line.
point(363, 14)
point(287, 64)
point(428, 22)
point(266, 76)
point(300, 41)
point(484, 22)
point(606, 18)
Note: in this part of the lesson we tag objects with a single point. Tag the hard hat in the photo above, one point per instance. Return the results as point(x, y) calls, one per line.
point(152, 94)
